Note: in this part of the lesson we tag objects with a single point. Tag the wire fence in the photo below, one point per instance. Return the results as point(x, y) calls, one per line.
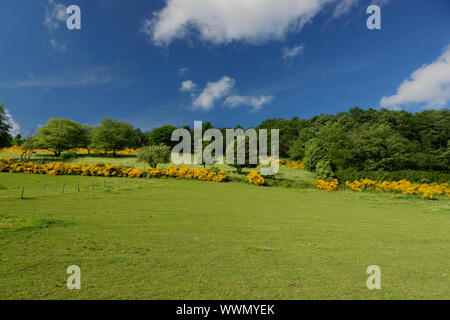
point(43, 190)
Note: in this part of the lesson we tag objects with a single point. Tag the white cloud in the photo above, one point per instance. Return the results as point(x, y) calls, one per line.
point(57, 46)
point(213, 91)
point(188, 86)
point(254, 102)
point(224, 21)
point(15, 127)
point(428, 85)
point(69, 79)
point(344, 7)
point(55, 14)
point(183, 71)
point(218, 90)
point(292, 52)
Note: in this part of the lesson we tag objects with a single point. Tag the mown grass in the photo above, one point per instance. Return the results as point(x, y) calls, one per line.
point(175, 239)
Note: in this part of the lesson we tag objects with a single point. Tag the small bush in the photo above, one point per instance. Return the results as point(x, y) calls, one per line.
point(153, 155)
point(324, 170)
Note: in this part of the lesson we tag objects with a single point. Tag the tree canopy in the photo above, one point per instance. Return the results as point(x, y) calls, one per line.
point(162, 135)
point(59, 135)
point(5, 137)
point(112, 135)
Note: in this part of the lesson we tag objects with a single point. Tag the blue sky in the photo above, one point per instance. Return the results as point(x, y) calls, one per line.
point(238, 62)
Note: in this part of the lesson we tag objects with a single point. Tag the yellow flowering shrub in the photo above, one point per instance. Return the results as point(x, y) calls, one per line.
point(327, 185)
point(60, 168)
point(255, 178)
point(184, 172)
point(107, 170)
point(18, 150)
point(428, 191)
point(292, 164)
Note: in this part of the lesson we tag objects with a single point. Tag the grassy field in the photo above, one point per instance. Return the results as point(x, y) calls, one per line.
point(174, 239)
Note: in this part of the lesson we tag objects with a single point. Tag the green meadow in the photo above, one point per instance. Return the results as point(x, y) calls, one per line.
point(177, 239)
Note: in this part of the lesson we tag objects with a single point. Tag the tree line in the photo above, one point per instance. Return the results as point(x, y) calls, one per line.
point(366, 140)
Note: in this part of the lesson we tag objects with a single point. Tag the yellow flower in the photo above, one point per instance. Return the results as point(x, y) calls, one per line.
point(255, 178)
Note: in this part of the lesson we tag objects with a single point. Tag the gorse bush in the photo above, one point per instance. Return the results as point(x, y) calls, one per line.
point(292, 164)
point(60, 168)
point(428, 191)
point(105, 170)
point(184, 172)
point(255, 178)
point(410, 175)
point(328, 185)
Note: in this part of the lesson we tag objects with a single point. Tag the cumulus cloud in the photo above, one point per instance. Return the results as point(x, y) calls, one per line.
point(14, 126)
point(55, 14)
point(429, 85)
point(213, 91)
point(219, 90)
point(225, 21)
point(254, 102)
point(188, 86)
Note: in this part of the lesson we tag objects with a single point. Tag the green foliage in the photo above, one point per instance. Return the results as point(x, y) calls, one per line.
point(5, 137)
point(112, 135)
point(59, 135)
point(162, 135)
point(373, 140)
point(297, 151)
point(142, 138)
point(68, 155)
point(314, 152)
point(377, 148)
point(17, 140)
point(214, 169)
point(153, 155)
point(324, 170)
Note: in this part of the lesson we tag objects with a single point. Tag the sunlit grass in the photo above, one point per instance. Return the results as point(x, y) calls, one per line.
point(175, 239)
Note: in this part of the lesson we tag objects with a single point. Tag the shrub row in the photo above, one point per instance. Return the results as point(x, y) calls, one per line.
point(188, 173)
point(106, 170)
point(409, 175)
